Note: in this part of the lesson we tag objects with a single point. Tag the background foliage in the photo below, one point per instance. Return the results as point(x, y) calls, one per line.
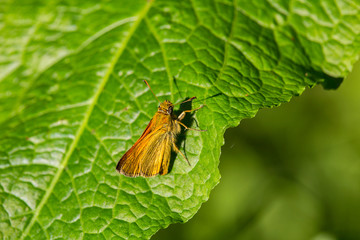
point(72, 100)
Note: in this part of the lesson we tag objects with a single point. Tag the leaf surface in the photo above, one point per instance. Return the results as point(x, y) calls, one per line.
point(72, 100)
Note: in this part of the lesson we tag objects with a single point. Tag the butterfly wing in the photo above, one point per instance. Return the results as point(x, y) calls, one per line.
point(149, 156)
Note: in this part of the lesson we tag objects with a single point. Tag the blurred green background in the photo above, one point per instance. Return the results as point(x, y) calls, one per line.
point(292, 172)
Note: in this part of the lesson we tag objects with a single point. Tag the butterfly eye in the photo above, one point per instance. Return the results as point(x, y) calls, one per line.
point(170, 109)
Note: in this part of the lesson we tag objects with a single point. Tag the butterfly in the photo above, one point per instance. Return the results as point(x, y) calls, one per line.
point(150, 155)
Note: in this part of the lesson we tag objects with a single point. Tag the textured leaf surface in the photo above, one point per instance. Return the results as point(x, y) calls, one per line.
point(72, 100)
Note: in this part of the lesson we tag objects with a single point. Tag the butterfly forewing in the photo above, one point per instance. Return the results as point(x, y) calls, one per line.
point(129, 163)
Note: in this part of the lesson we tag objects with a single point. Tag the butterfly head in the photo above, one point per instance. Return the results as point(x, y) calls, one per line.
point(166, 107)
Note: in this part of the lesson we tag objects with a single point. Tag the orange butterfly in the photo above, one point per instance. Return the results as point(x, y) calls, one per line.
point(150, 155)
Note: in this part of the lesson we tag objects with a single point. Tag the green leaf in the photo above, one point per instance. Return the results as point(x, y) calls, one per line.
point(72, 100)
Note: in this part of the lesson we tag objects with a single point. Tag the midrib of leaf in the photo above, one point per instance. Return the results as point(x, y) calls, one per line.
point(87, 115)
point(80, 48)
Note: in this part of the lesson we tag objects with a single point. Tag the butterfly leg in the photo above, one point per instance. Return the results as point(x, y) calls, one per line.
point(177, 150)
point(187, 128)
point(182, 115)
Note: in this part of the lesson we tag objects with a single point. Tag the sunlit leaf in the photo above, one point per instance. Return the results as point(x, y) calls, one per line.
point(72, 100)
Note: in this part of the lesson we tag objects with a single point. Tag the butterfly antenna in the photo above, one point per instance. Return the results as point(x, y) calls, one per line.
point(151, 90)
point(188, 100)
